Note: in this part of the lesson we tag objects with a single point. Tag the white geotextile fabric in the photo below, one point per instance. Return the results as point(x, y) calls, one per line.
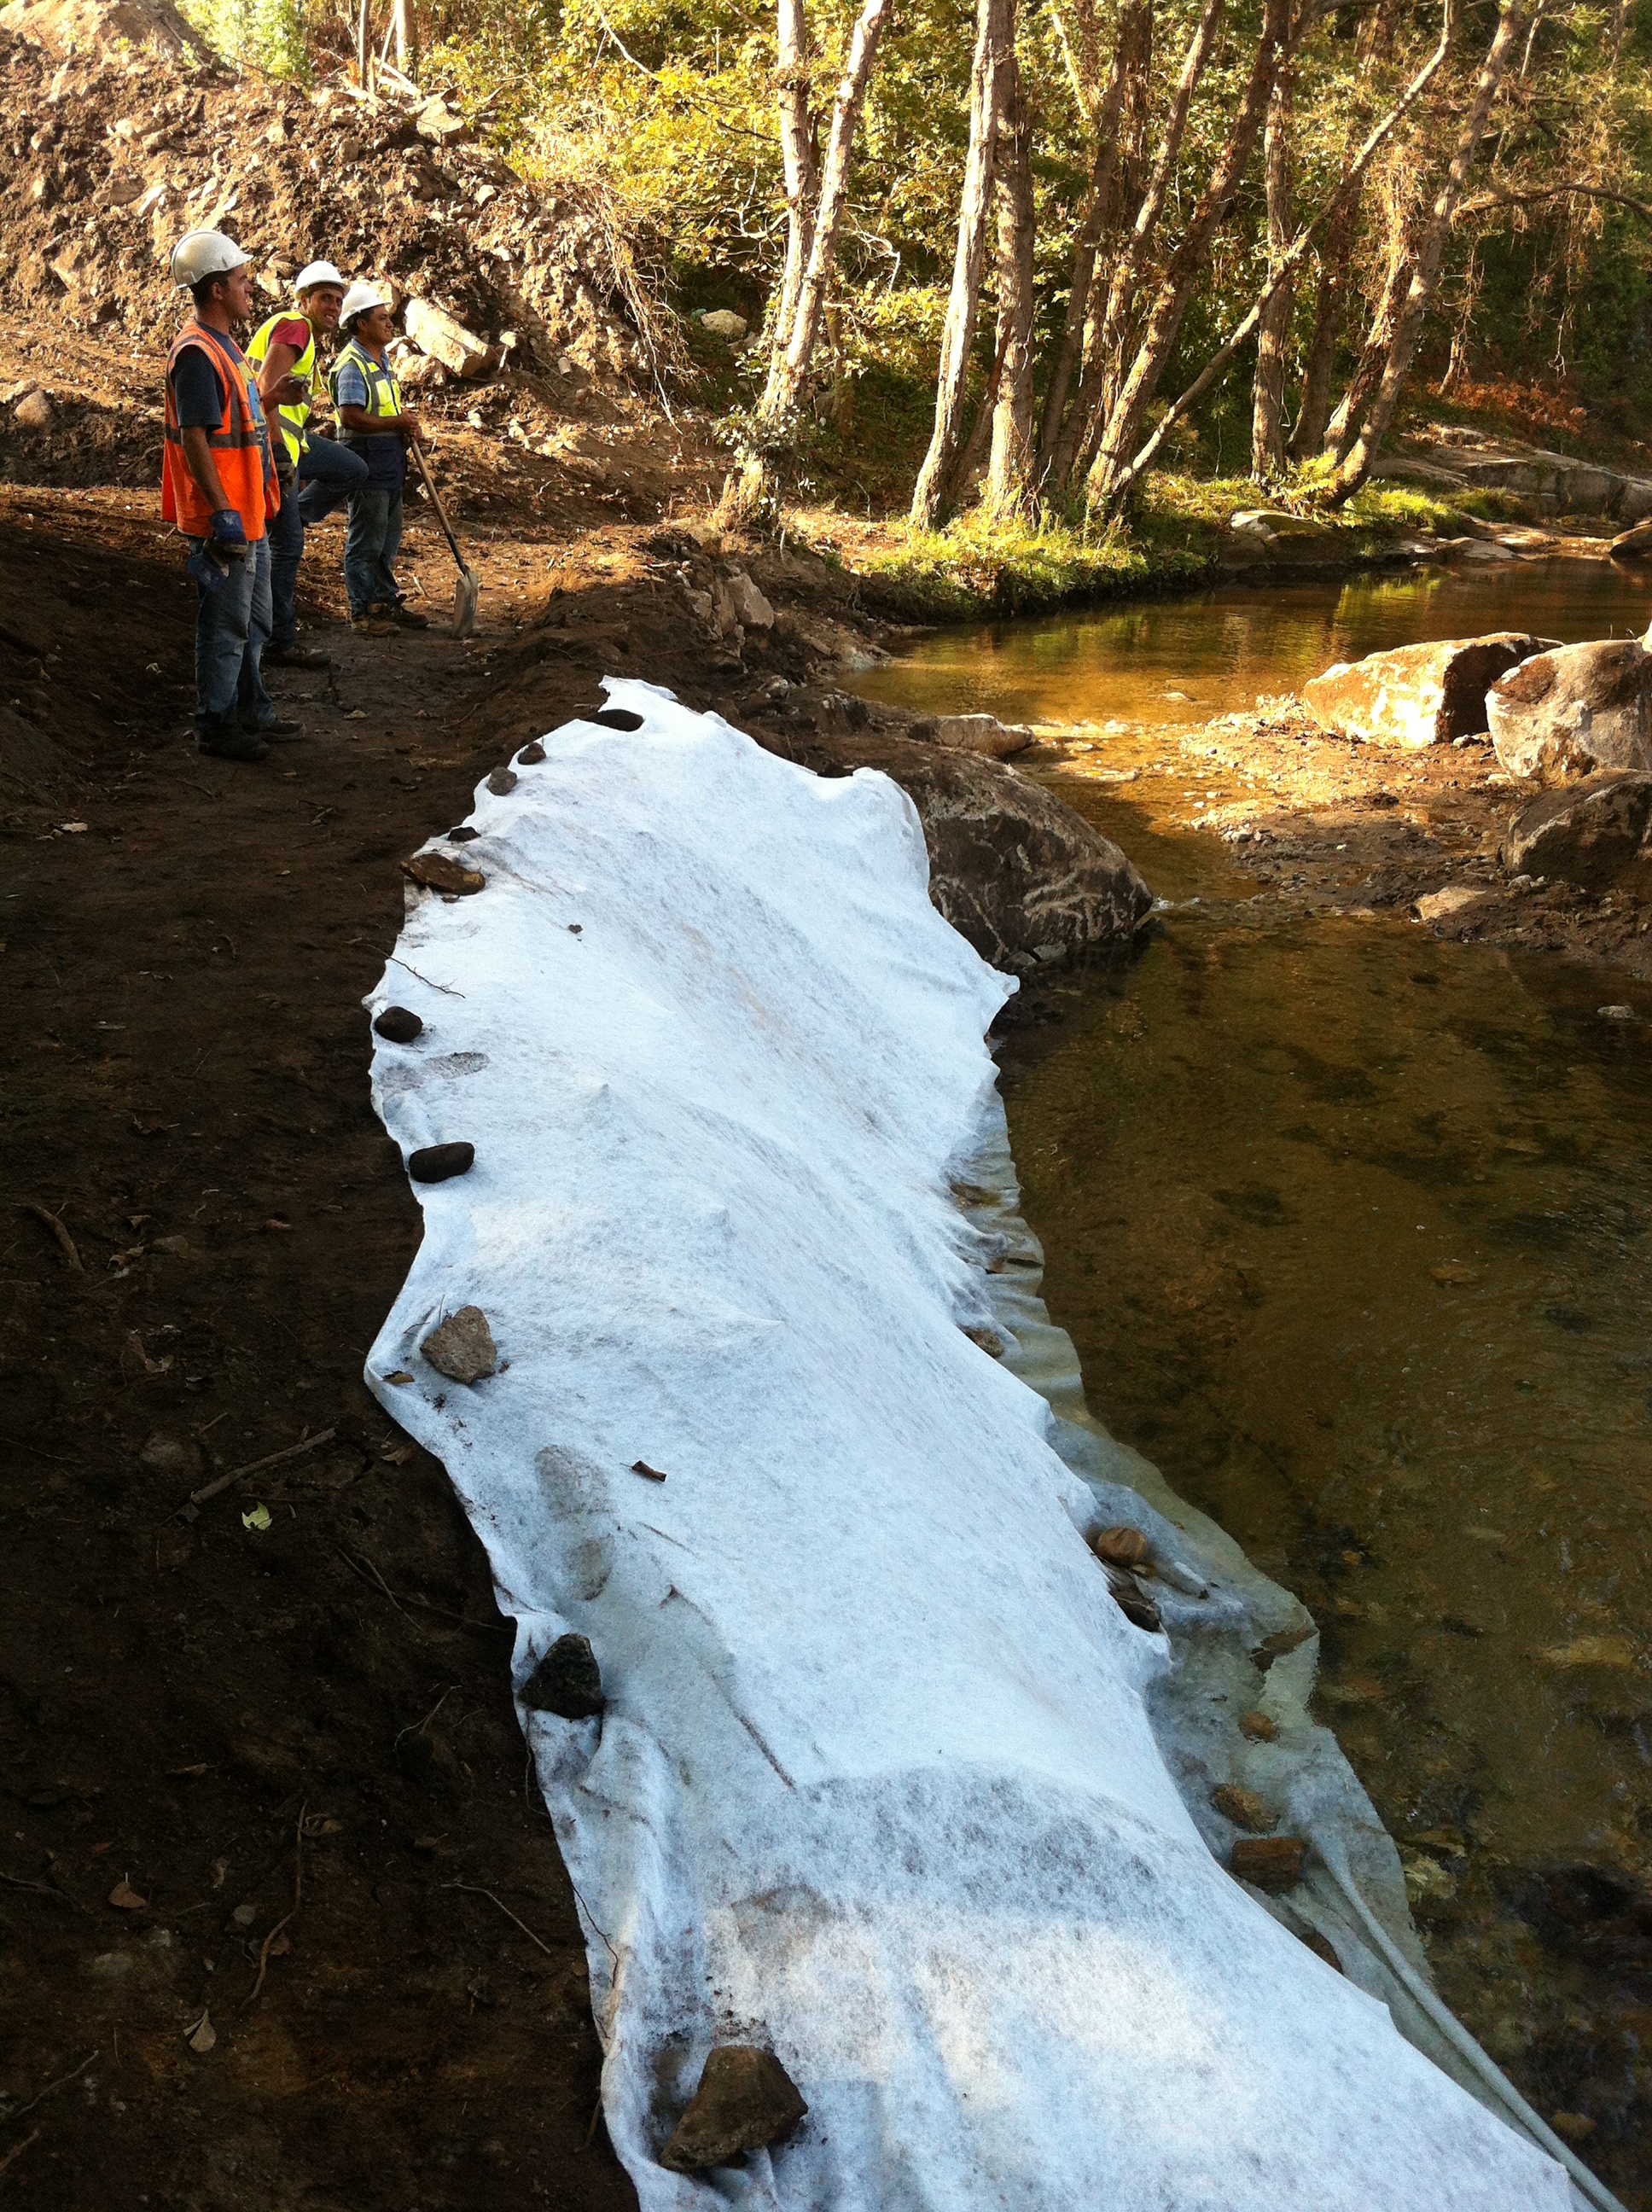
point(876, 1785)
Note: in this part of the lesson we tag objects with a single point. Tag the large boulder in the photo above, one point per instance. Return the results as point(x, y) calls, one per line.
point(1012, 869)
point(1562, 714)
point(972, 733)
point(442, 336)
point(1292, 541)
point(1417, 695)
point(1594, 834)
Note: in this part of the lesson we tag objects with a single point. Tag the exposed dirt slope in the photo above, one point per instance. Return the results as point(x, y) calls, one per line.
point(107, 160)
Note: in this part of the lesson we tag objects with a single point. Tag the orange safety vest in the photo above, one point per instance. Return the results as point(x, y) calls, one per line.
point(240, 446)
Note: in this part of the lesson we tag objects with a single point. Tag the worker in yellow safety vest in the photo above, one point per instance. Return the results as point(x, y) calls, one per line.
point(373, 423)
point(317, 473)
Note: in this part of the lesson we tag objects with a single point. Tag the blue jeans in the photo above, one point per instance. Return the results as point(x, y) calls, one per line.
point(327, 474)
point(232, 628)
point(370, 547)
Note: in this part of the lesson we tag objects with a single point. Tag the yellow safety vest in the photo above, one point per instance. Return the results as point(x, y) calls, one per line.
point(384, 393)
point(291, 419)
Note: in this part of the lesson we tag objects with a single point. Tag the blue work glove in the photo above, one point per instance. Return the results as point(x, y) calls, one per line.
point(203, 569)
point(228, 529)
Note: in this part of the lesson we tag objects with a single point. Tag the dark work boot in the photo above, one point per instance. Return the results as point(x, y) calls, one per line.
point(295, 656)
point(224, 741)
point(282, 730)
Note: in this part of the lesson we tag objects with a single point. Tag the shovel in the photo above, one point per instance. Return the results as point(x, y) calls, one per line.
point(468, 584)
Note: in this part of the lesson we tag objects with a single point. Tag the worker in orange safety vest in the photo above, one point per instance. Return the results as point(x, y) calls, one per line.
point(218, 484)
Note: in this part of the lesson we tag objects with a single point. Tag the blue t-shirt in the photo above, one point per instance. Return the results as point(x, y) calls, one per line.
point(198, 389)
point(382, 450)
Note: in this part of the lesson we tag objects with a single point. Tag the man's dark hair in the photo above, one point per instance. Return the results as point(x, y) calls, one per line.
point(201, 293)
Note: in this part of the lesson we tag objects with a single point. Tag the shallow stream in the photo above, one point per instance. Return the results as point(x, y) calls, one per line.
point(1351, 1230)
point(1180, 661)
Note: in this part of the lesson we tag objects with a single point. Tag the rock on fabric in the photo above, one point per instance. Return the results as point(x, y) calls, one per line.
point(873, 1785)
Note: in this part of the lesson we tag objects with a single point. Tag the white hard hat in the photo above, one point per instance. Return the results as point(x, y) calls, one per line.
point(359, 298)
point(200, 254)
point(318, 272)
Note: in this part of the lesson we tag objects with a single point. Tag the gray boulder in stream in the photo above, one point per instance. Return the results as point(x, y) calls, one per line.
point(1013, 870)
point(1565, 713)
point(1594, 834)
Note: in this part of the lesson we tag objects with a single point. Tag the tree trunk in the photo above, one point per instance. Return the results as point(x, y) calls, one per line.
point(1187, 264)
point(1131, 50)
point(800, 165)
point(1314, 411)
point(994, 45)
point(1330, 298)
point(406, 52)
point(1354, 469)
point(1273, 326)
point(1009, 473)
point(1106, 336)
point(780, 396)
point(1344, 425)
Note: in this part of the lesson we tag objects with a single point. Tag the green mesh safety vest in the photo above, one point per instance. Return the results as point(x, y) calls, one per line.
point(291, 419)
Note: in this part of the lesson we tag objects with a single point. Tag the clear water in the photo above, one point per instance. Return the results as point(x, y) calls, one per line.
point(1352, 1230)
point(1224, 648)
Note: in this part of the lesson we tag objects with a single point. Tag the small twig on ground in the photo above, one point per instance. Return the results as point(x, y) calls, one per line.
point(591, 2132)
point(17, 1443)
point(591, 1917)
point(66, 1241)
point(298, 1900)
point(256, 1467)
point(17, 2149)
point(44, 1889)
point(371, 1576)
point(460, 1620)
point(418, 1728)
point(446, 989)
point(476, 1890)
point(52, 2088)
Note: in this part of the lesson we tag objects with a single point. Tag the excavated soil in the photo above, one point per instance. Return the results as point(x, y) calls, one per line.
point(215, 1722)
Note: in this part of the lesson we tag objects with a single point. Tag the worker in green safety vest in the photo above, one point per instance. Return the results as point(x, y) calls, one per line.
point(375, 425)
point(317, 472)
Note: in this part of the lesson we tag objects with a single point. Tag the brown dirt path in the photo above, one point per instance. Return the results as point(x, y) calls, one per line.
point(187, 1096)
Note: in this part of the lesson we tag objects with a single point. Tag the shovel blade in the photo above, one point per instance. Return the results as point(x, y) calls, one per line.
point(464, 598)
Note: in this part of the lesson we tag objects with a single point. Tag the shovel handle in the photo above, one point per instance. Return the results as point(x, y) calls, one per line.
point(441, 513)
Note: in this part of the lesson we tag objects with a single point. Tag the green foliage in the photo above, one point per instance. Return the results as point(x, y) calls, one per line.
point(1395, 508)
point(664, 111)
point(278, 36)
point(1494, 505)
point(973, 569)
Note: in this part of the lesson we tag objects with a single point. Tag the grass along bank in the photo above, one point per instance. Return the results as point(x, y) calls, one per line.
point(1169, 541)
